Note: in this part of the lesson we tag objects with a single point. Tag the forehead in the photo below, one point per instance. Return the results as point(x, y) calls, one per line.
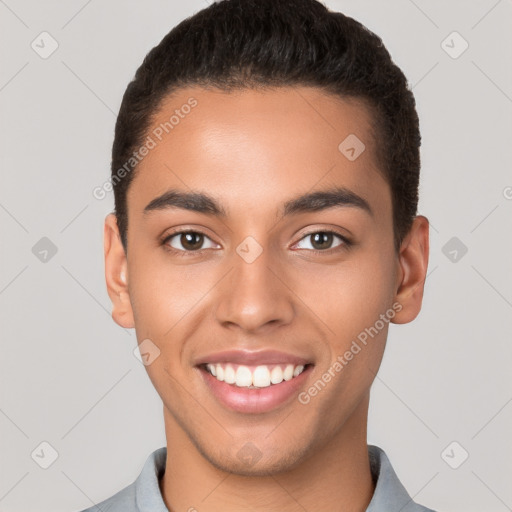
point(259, 147)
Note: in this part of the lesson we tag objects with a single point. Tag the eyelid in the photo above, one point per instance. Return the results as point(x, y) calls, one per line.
point(180, 231)
point(346, 242)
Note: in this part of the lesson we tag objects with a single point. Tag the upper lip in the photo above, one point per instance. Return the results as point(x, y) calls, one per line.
point(252, 358)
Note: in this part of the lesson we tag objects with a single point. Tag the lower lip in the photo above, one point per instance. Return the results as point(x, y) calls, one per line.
point(247, 400)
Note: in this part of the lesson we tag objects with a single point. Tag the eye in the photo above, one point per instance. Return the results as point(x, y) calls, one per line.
point(322, 241)
point(189, 241)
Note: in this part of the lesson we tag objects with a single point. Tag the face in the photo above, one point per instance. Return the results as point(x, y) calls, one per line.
point(267, 318)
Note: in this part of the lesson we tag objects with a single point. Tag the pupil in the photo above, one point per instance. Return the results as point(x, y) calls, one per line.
point(322, 239)
point(188, 243)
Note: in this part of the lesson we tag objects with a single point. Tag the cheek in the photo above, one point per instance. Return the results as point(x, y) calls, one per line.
point(349, 297)
point(350, 300)
point(162, 294)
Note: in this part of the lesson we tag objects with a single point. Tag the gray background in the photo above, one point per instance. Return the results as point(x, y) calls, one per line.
point(68, 373)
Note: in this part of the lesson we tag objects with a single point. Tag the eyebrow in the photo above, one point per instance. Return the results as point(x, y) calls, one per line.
point(310, 202)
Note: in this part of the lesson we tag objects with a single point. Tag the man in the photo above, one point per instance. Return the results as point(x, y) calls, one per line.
point(265, 170)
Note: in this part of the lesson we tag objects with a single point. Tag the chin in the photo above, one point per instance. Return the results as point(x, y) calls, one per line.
point(249, 461)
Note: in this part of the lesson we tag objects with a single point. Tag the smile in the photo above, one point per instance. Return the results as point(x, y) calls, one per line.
point(261, 376)
point(255, 388)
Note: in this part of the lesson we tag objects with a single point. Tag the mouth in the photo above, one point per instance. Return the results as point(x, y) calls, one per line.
point(253, 377)
point(254, 382)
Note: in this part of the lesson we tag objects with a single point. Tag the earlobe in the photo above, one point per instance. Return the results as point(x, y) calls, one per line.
point(116, 274)
point(412, 271)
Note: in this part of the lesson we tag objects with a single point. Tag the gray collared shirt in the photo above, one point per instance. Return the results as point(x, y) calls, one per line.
point(144, 495)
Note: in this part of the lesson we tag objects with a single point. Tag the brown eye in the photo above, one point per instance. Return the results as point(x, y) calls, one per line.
point(188, 241)
point(323, 241)
point(191, 241)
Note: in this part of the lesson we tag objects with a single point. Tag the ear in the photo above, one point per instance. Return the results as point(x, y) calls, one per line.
point(116, 274)
point(412, 272)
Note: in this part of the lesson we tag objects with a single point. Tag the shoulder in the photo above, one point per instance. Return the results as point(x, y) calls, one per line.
point(143, 493)
point(122, 501)
point(389, 492)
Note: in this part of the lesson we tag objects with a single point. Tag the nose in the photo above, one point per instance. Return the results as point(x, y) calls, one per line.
point(255, 296)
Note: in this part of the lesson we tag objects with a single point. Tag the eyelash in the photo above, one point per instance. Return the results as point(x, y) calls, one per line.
point(344, 246)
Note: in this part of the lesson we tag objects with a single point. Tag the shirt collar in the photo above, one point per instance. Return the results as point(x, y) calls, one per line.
point(147, 490)
point(389, 492)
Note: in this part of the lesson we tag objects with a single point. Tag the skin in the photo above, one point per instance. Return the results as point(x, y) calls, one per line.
point(253, 151)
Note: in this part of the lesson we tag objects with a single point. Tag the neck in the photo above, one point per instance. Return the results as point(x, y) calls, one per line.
point(336, 477)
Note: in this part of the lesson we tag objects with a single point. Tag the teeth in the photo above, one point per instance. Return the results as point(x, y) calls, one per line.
point(276, 375)
point(229, 375)
point(243, 377)
point(260, 377)
point(298, 370)
point(288, 372)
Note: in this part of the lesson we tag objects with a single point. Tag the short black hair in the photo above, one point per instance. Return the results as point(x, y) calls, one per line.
point(240, 44)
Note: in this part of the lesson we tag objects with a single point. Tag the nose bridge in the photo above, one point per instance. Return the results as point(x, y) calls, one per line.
point(252, 296)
